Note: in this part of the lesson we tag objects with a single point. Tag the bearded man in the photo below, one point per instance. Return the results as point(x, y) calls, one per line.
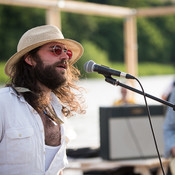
point(42, 91)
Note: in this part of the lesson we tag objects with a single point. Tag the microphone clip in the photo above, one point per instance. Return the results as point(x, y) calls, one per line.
point(111, 80)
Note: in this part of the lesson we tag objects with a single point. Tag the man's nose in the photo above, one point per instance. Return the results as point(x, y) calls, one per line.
point(64, 55)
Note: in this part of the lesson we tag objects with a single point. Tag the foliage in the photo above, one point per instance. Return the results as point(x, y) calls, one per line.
point(3, 76)
point(109, 37)
point(155, 35)
point(154, 68)
point(92, 52)
point(158, 48)
point(102, 37)
point(14, 22)
point(144, 69)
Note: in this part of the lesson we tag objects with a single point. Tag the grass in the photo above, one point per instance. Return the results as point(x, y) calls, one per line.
point(3, 76)
point(144, 69)
point(148, 68)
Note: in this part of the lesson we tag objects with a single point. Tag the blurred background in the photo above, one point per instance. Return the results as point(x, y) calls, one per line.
point(103, 39)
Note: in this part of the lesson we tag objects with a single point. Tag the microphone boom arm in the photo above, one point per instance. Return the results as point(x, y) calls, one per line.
point(117, 83)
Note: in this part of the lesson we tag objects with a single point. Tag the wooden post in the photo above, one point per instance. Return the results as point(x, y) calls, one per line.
point(130, 41)
point(131, 57)
point(53, 16)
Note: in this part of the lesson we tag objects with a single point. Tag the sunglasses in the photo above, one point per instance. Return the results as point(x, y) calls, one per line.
point(57, 50)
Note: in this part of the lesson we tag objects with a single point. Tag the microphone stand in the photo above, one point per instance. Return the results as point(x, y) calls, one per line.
point(117, 83)
point(113, 81)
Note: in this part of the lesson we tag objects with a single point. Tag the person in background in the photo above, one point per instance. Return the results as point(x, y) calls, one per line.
point(125, 99)
point(41, 93)
point(166, 94)
point(169, 129)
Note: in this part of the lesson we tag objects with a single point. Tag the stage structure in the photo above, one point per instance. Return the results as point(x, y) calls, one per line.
point(53, 16)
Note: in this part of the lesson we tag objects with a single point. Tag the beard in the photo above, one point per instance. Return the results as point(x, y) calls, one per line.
point(48, 75)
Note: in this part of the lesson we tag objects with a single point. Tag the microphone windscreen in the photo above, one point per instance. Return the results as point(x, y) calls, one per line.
point(88, 67)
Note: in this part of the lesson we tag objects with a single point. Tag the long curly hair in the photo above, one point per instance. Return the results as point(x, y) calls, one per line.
point(70, 95)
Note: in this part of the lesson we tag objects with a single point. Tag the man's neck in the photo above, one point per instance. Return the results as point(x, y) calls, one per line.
point(45, 91)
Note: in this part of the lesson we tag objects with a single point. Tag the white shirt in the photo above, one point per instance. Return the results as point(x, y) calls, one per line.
point(22, 145)
point(50, 154)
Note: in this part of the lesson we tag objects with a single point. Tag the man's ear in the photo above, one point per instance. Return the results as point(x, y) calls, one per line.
point(29, 60)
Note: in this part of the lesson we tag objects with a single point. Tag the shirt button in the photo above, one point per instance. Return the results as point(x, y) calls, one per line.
point(19, 135)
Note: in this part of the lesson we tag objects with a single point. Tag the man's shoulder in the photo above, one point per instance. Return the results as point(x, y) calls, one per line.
point(5, 93)
point(4, 90)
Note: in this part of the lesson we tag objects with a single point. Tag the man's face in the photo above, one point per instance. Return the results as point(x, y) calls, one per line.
point(48, 57)
point(51, 69)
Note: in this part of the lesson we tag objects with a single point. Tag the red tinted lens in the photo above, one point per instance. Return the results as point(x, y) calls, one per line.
point(69, 53)
point(57, 50)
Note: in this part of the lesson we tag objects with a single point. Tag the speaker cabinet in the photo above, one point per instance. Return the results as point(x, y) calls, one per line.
point(125, 132)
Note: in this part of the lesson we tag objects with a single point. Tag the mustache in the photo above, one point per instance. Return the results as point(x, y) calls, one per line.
point(60, 62)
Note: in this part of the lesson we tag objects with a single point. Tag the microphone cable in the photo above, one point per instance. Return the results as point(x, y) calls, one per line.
point(113, 81)
point(150, 122)
point(89, 67)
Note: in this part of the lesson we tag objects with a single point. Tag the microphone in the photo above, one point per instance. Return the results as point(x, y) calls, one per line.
point(91, 66)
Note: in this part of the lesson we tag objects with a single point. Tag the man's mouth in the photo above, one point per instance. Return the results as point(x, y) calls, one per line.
point(62, 66)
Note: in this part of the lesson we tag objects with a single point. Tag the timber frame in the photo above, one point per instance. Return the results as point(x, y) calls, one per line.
point(53, 16)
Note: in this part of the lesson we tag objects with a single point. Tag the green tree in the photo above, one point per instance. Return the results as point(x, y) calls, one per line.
point(156, 36)
point(14, 21)
point(153, 43)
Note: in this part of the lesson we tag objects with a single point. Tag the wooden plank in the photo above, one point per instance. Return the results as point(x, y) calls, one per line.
point(74, 7)
point(95, 9)
point(156, 11)
point(30, 3)
point(92, 8)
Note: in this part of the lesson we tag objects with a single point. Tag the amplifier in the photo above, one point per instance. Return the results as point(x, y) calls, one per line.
point(125, 132)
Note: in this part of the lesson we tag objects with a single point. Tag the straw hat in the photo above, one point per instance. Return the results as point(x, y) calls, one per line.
point(39, 36)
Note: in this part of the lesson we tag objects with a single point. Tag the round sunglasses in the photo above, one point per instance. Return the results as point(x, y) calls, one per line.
point(57, 50)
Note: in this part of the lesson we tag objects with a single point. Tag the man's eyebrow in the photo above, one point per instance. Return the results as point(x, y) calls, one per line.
point(51, 47)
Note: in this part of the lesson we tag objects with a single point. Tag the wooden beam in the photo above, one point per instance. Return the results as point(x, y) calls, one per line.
point(74, 7)
point(156, 11)
point(30, 3)
point(92, 8)
point(95, 9)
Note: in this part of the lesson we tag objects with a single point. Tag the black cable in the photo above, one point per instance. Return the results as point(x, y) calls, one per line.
point(152, 130)
point(113, 81)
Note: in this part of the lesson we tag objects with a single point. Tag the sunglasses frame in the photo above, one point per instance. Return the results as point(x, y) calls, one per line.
point(61, 50)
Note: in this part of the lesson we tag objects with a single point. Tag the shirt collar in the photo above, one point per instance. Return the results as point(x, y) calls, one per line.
point(55, 102)
point(57, 105)
point(14, 92)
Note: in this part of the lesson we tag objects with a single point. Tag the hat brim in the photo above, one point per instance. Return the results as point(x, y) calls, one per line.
point(72, 45)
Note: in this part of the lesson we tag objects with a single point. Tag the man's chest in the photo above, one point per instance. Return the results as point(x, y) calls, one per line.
point(52, 131)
